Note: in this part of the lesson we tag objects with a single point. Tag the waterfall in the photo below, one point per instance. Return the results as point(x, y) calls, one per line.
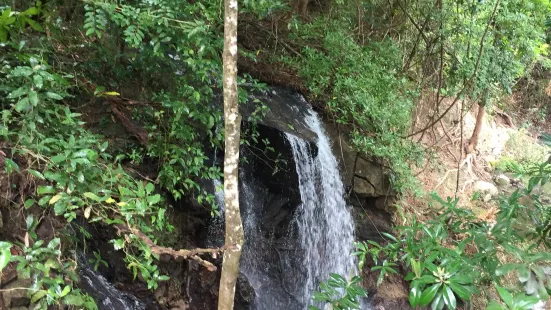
point(285, 268)
point(325, 227)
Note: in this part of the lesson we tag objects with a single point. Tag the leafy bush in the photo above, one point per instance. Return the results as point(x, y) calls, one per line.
point(340, 293)
point(362, 88)
point(454, 255)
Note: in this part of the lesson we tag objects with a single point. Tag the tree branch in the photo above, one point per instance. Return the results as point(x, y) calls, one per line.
point(468, 84)
point(183, 253)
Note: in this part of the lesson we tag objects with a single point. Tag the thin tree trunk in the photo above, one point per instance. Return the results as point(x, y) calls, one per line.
point(232, 121)
point(473, 142)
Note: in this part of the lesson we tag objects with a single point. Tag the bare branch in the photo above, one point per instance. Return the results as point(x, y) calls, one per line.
point(183, 253)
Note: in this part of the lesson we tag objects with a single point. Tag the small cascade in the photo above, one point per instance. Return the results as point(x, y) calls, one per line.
point(107, 297)
point(325, 226)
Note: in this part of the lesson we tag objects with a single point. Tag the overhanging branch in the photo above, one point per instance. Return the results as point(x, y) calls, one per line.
point(183, 253)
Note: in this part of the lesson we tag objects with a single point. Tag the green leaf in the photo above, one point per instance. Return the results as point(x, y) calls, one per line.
point(449, 297)
point(428, 294)
point(29, 203)
point(54, 199)
point(58, 158)
point(22, 104)
point(523, 273)
point(494, 306)
point(65, 291)
point(54, 96)
point(29, 221)
point(31, 11)
point(17, 93)
point(3, 35)
point(149, 187)
point(36, 174)
point(506, 268)
point(92, 196)
point(460, 290)
point(505, 296)
point(74, 300)
point(5, 254)
point(36, 26)
point(22, 71)
point(414, 295)
point(41, 190)
point(38, 295)
point(33, 98)
point(38, 81)
point(438, 302)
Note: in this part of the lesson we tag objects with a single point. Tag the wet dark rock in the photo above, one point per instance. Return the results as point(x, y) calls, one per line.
point(244, 293)
point(287, 111)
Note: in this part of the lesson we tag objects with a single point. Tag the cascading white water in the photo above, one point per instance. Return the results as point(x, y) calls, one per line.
point(325, 226)
point(284, 271)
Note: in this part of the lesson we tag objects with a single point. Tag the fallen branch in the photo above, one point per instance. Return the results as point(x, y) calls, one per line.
point(182, 253)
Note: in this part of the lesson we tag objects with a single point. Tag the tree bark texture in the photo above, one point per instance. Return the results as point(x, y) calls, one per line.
point(473, 142)
point(232, 121)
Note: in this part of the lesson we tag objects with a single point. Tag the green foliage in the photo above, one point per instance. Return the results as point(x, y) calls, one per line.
point(363, 89)
point(79, 174)
point(513, 302)
point(340, 293)
point(12, 22)
point(453, 255)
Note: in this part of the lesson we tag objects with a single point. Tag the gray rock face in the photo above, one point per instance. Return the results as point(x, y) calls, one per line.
point(502, 180)
point(17, 297)
point(486, 189)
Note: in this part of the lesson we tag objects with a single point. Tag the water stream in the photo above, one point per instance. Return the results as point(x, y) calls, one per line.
point(284, 271)
point(325, 226)
point(323, 230)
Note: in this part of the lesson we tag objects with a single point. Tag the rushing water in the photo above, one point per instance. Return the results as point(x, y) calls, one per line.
point(284, 273)
point(325, 226)
point(107, 297)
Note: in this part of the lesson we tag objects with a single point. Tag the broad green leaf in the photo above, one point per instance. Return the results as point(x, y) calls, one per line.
point(65, 291)
point(41, 190)
point(414, 295)
point(505, 296)
point(54, 96)
point(428, 294)
point(5, 254)
point(494, 306)
point(29, 221)
point(449, 297)
point(38, 81)
point(92, 196)
point(54, 199)
point(17, 93)
point(36, 174)
point(506, 268)
point(29, 203)
point(438, 302)
point(461, 291)
point(33, 98)
point(36, 26)
point(22, 104)
point(22, 71)
point(74, 300)
point(38, 295)
point(31, 11)
point(59, 158)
